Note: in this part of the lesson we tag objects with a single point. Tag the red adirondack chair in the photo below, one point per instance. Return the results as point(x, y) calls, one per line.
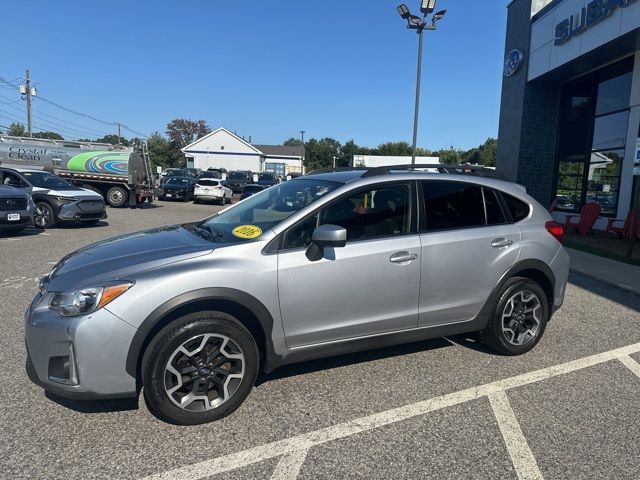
point(588, 216)
point(625, 230)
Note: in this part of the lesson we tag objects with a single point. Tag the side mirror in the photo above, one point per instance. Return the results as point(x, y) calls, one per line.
point(325, 236)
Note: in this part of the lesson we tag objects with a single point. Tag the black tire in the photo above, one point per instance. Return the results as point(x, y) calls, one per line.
point(45, 215)
point(117, 197)
point(195, 200)
point(223, 200)
point(163, 347)
point(493, 335)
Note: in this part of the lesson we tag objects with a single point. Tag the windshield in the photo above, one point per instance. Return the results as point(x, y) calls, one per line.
point(237, 176)
point(178, 181)
point(266, 176)
point(208, 182)
point(264, 210)
point(46, 180)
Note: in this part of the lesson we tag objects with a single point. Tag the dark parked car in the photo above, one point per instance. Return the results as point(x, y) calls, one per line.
point(251, 190)
point(17, 209)
point(239, 179)
point(267, 179)
point(178, 188)
point(57, 201)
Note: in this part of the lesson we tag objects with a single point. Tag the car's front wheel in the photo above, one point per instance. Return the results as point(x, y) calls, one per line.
point(519, 319)
point(199, 369)
point(45, 217)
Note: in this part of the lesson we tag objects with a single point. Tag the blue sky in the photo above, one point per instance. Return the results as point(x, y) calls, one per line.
point(269, 68)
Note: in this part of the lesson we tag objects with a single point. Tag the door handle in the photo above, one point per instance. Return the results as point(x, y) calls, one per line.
point(403, 257)
point(501, 242)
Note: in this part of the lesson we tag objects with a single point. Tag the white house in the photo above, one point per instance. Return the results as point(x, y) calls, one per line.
point(223, 149)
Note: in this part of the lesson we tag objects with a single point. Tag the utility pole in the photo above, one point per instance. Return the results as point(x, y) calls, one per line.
point(28, 93)
point(303, 153)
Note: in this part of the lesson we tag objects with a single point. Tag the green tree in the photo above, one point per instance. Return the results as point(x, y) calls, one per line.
point(17, 130)
point(113, 140)
point(50, 135)
point(292, 142)
point(159, 150)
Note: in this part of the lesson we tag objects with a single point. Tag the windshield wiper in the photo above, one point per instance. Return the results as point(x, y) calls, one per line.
point(207, 231)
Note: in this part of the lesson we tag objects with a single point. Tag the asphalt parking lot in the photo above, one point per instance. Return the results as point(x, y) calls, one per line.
point(445, 408)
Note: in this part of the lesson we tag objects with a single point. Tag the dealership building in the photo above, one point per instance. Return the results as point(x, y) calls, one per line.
point(570, 113)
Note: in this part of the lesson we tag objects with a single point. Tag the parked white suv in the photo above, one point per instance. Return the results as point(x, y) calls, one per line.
point(209, 189)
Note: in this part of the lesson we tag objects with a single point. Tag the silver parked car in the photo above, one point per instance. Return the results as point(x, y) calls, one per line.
point(322, 265)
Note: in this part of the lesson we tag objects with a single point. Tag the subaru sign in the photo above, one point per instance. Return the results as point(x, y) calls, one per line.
point(588, 16)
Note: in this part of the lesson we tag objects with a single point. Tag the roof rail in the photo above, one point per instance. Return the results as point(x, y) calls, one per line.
point(440, 167)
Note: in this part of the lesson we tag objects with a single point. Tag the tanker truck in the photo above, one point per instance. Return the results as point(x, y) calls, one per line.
point(122, 175)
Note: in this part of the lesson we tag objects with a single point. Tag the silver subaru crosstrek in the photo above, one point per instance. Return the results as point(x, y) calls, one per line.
point(325, 264)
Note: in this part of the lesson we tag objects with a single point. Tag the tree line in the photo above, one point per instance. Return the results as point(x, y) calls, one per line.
point(164, 150)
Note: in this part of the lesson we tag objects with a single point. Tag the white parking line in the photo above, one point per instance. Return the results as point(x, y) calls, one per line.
point(631, 364)
point(290, 464)
point(519, 451)
point(307, 440)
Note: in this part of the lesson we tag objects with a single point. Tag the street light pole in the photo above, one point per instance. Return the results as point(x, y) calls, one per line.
point(302, 161)
point(417, 106)
point(420, 25)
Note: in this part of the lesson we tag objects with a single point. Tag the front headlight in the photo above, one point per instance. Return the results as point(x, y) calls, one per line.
point(87, 300)
point(63, 199)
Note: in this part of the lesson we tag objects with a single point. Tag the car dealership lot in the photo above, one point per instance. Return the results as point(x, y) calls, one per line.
point(445, 408)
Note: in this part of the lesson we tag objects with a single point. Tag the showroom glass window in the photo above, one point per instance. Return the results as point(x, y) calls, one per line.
point(592, 133)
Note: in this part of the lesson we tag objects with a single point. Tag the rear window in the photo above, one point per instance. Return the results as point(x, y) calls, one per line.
point(518, 209)
point(208, 182)
point(237, 176)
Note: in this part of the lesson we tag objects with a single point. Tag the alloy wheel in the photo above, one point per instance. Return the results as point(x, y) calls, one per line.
point(521, 318)
point(42, 217)
point(204, 372)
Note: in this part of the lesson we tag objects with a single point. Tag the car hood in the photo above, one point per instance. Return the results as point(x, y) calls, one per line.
point(79, 193)
point(125, 255)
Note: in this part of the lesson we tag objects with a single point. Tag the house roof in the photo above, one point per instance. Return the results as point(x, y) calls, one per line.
point(280, 150)
point(221, 129)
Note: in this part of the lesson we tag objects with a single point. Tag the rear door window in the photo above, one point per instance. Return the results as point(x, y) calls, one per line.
point(495, 215)
point(452, 205)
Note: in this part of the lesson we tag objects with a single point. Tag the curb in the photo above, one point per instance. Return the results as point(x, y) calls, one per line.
point(606, 282)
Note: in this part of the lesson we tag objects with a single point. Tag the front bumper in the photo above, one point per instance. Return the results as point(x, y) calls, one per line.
point(78, 357)
point(26, 220)
point(82, 210)
point(173, 194)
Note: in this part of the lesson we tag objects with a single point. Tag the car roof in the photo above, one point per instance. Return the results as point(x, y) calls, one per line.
point(482, 176)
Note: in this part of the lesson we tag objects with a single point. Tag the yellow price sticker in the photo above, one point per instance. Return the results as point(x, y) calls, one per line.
point(247, 231)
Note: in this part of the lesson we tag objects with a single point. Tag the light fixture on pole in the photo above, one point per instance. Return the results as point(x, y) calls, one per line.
point(414, 22)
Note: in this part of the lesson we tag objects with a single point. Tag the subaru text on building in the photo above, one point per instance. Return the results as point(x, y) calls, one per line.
point(325, 264)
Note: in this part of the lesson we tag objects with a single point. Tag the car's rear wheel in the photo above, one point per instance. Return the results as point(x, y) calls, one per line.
point(199, 369)
point(45, 217)
point(519, 319)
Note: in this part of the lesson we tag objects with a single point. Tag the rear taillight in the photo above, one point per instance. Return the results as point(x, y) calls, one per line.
point(556, 230)
point(218, 187)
